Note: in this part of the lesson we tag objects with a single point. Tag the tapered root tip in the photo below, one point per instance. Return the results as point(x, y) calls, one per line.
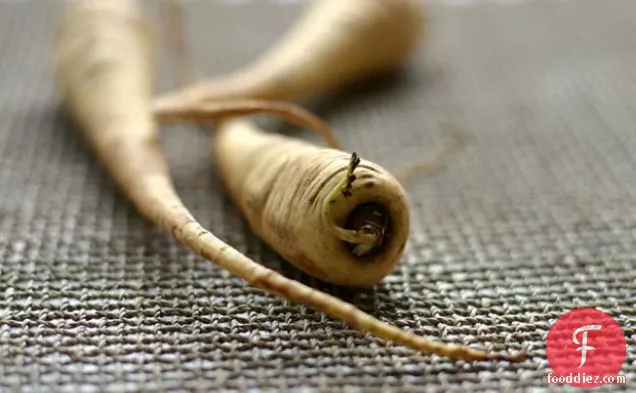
point(469, 354)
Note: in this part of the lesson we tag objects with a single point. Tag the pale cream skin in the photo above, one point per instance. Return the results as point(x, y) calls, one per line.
point(103, 68)
point(335, 43)
point(285, 188)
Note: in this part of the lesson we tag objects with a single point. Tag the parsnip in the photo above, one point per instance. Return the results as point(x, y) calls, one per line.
point(103, 67)
point(335, 43)
point(311, 236)
point(293, 194)
point(283, 187)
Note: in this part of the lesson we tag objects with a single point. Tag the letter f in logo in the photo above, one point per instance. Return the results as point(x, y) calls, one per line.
point(584, 347)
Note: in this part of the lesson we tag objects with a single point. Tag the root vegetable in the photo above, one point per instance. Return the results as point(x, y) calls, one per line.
point(267, 175)
point(102, 61)
point(305, 201)
point(335, 43)
point(343, 221)
point(297, 197)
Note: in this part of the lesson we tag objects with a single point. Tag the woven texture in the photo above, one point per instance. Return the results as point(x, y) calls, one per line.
point(535, 217)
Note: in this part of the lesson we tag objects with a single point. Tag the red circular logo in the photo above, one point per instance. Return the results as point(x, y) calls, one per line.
point(585, 348)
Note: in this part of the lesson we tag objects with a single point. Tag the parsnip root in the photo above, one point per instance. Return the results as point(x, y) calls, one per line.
point(285, 188)
point(277, 182)
point(336, 43)
point(103, 67)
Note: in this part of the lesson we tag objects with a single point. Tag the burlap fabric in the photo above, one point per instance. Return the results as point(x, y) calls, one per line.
point(536, 216)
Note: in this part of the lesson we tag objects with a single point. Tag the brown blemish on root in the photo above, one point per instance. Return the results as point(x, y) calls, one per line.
point(281, 230)
point(264, 282)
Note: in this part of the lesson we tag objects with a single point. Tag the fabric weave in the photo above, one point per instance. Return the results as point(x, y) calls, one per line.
point(534, 217)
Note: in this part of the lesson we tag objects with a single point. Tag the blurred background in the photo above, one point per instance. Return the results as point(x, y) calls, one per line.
point(534, 217)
